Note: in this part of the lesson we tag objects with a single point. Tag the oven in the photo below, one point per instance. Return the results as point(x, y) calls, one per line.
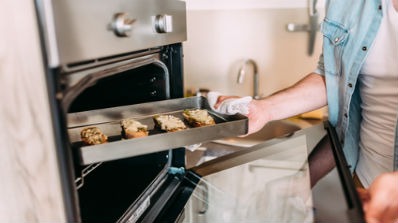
point(109, 61)
point(101, 56)
point(112, 60)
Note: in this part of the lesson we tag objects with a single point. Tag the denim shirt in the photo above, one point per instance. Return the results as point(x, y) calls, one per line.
point(348, 29)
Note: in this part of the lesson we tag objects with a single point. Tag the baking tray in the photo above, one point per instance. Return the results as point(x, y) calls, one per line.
point(108, 120)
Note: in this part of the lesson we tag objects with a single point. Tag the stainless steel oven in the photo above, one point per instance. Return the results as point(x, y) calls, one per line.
point(112, 60)
point(103, 55)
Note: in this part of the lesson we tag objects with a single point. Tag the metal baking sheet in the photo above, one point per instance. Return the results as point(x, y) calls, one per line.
point(108, 120)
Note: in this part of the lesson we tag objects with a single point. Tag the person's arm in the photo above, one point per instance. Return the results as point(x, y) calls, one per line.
point(380, 201)
point(306, 95)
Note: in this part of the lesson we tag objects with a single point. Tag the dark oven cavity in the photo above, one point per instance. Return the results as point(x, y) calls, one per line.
point(135, 81)
point(106, 190)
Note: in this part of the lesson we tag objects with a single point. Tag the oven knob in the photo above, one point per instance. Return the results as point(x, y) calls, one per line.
point(122, 24)
point(163, 23)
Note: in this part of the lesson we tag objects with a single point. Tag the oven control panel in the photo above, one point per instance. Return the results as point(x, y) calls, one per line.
point(122, 24)
point(91, 29)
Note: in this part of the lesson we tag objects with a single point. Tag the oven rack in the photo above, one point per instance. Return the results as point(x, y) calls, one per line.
point(79, 182)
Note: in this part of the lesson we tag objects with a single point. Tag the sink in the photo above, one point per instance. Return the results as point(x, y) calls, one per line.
point(274, 129)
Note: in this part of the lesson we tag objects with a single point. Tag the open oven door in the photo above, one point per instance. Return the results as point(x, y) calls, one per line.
point(268, 182)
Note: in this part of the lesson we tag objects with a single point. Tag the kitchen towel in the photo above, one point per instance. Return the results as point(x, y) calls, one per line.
point(229, 106)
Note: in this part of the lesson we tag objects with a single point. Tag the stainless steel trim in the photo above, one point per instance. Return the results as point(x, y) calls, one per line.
point(85, 65)
point(149, 192)
point(46, 20)
point(261, 150)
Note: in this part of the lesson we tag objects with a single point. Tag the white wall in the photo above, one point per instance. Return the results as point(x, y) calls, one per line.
point(247, 4)
point(221, 35)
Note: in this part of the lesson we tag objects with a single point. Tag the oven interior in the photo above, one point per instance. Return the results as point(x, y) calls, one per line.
point(125, 189)
point(143, 84)
point(110, 189)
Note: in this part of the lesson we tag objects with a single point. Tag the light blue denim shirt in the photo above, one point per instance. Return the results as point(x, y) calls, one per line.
point(348, 29)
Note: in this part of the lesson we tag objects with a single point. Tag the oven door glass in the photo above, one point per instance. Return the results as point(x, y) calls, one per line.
point(269, 182)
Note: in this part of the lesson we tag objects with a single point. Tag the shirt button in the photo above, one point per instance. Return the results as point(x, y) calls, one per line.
point(364, 48)
point(336, 39)
point(349, 85)
point(345, 115)
point(380, 7)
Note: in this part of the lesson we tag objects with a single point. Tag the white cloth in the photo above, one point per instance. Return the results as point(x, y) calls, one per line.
point(230, 106)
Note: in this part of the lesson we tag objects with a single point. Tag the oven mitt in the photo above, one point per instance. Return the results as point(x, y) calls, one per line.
point(230, 106)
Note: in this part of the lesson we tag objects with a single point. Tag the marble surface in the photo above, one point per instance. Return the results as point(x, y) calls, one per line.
point(31, 187)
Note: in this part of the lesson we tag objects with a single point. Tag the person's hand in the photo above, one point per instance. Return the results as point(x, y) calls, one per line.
point(257, 115)
point(380, 201)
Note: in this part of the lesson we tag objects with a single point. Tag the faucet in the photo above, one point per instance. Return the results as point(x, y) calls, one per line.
point(242, 72)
